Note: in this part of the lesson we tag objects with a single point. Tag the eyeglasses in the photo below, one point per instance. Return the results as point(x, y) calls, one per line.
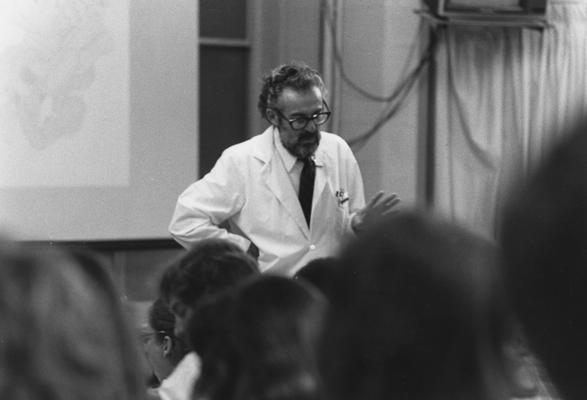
point(146, 336)
point(300, 123)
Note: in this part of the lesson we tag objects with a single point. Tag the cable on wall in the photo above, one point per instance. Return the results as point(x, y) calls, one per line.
point(396, 99)
point(401, 93)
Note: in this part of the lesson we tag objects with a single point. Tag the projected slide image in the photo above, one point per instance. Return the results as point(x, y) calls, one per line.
point(64, 93)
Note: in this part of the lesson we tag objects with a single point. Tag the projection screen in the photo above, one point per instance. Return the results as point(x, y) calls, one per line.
point(98, 116)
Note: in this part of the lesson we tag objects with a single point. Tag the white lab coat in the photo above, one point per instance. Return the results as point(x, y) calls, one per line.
point(251, 190)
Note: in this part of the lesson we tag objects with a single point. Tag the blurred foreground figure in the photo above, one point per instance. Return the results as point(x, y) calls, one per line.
point(210, 267)
point(545, 245)
point(163, 349)
point(318, 272)
point(259, 342)
point(63, 335)
point(416, 314)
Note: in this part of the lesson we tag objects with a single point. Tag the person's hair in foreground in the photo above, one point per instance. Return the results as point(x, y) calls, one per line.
point(63, 333)
point(164, 350)
point(162, 321)
point(415, 314)
point(259, 341)
point(294, 75)
point(544, 237)
point(209, 267)
point(318, 272)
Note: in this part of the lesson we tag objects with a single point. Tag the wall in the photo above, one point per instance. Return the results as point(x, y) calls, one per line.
point(376, 39)
point(280, 31)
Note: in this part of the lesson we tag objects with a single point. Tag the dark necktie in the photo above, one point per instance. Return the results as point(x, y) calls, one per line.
point(307, 187)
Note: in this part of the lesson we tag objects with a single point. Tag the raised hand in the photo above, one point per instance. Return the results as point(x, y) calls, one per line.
point(380, 205)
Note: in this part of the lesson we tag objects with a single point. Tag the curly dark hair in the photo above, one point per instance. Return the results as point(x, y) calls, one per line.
point(295, 75)
point(259, 341)
point(209, 267)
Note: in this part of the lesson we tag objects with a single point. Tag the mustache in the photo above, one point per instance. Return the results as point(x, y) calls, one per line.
point(307, 135)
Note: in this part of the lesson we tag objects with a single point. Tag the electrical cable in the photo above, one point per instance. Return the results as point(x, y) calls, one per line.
point(338, 59)
point(397, 97)
point(406, 87)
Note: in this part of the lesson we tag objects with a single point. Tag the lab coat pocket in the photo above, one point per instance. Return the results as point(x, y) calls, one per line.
point(333, 214)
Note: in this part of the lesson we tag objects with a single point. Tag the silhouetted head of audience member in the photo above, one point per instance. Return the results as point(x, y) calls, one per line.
point(209, 267)
point(162, 348)
point(318, 272)
point(415, 314)
point(259, 341)
point(63, 334)
point(544, 238)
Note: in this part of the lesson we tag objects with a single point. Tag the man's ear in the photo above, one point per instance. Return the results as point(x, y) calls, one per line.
point(167, 345)
point(272, 117)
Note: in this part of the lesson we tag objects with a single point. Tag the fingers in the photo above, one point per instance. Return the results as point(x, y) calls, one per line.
point(375, 199)
point(389, 206)
point(390, 211)
point(391, 201)
point(380, 199)
point(383, 200)
point(380, 205)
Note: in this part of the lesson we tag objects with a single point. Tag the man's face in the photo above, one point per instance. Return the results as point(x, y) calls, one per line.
point(292, 104)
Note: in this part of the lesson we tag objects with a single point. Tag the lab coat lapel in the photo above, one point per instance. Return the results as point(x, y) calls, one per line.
point(277, 180)
point(319, 183)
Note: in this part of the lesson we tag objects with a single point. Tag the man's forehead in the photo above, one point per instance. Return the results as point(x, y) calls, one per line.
point(306, 101)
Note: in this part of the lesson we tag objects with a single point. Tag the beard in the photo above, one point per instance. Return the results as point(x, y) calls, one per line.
point(305, 144)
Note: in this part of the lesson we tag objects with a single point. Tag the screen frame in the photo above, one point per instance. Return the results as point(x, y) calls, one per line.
point(526, 9)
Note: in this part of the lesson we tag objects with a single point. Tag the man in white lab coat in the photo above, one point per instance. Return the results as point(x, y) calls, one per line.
point(291, 193)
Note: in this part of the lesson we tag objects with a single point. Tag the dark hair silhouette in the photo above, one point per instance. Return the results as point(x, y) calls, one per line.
point(259, 342)
point(415, 314)
point(318, 272)
point(544, 237)
point(63, 334)
point(209, 267)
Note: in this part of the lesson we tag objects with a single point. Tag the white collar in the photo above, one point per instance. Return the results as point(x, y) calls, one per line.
point(289, 160)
